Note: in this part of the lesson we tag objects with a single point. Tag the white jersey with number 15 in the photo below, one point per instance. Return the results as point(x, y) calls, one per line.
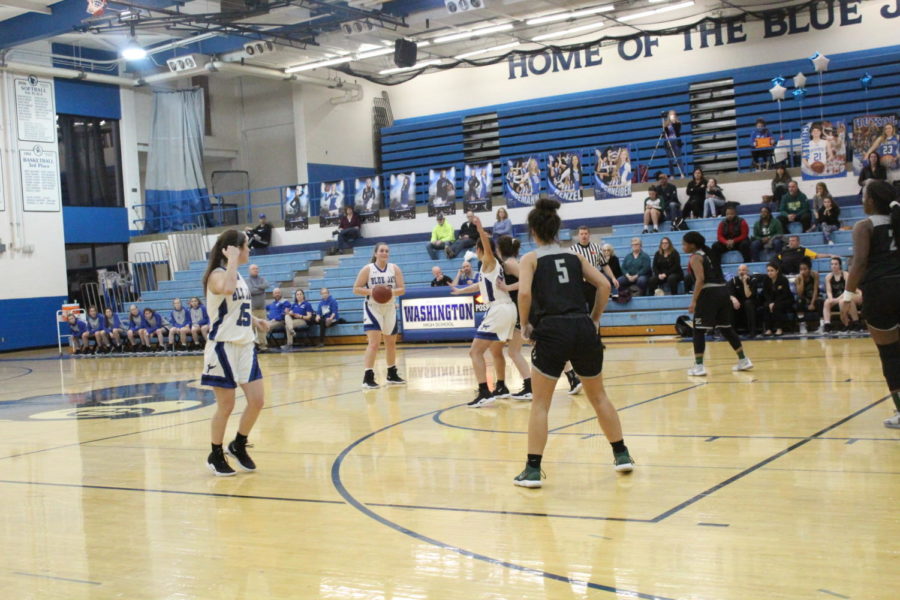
point(230, 316)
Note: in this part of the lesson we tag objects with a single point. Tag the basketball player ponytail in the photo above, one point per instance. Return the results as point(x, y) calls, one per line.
point(232, 237)
point(508, 246)
point(886, 203)
point(544, 221)
point(695, 239)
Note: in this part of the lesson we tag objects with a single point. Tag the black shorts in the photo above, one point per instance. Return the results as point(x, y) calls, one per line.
point(713, 308)
point(567, 338)
point(881, 303)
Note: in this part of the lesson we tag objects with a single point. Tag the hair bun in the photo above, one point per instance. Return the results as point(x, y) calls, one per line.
point(547, 204)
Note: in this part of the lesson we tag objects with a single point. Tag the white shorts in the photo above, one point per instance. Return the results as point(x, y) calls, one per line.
point(498, 323)
point(227, 365)
point(380, 317)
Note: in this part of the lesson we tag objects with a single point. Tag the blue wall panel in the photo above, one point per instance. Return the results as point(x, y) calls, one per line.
point(85, 98)
point(95, 225)
point(318, 172)
point(28, 322)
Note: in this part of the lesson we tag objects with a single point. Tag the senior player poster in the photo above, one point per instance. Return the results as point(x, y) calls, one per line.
point(442, 191)
point(331, 201)
point(402, 196)
point(367, 198)
point(824, 146)
point(477, 183)
point(522, 184)
point(564, 176)
point(296, 207)
point(612, 172)
point(876, 133)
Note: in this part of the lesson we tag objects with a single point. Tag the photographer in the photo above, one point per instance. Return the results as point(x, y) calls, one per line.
point(672, 130)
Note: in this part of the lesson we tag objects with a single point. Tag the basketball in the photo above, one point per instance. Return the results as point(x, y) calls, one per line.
point(382, 294)
point(817, 167)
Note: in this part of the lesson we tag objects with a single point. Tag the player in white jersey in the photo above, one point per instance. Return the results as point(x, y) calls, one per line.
point(498, 323)
point(380, 320)
point(230, 357)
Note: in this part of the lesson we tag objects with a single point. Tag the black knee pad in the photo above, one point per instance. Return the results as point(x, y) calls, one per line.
point(890, 364)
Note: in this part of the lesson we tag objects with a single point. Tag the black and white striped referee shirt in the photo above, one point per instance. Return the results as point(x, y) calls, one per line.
point(591, 252)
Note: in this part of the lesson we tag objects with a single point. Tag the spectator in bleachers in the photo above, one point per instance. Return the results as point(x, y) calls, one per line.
point(767, 234)
point(440, 280)
point(466, 276)
point(96, 324)
point(794, 208)
point(261, 235)
point(652, 210)
point(696, 196)
point(636, 268)
point(258, 286)
point(78, 332)
point(300, 317)
point(777, 298)
point(780, 182)
point(275, 313)
point(818, 200)
point(666, 269)
point(835, 283)
point(199, 322)
point(809, 302)
point(762, 145)
point(714, 203)
point(829, 219)
point(179, 322)
point(468, 234)
point(114, 329)
point(152, 324)
point(872, 170)
point(733, 234)
point(503, 225)
point(669, 196)
point(327, 314)
point(791, 256)
point(612, 260)
point(441, 237)
point(133, 324)
point(348, 230)
point(742, 289)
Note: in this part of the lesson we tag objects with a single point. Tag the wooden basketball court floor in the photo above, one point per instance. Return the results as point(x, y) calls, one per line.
point(777, 483)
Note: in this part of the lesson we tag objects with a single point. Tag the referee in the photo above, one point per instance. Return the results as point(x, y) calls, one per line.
point(595, 257)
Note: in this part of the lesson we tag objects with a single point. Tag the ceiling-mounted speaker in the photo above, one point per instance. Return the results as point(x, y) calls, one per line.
point(405, 53)
point(458, 6)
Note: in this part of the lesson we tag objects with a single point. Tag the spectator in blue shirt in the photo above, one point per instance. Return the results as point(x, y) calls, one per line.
point(298, 318)
point(199, 321)
point(636, 268)
point(96, 324)
point(114, 329)
point(153, 324)
point(466, 276)
point(179, 322)
point(503, 226)
point(326, 314)
point(275, 313)
point(133, 324)
point(77, 331)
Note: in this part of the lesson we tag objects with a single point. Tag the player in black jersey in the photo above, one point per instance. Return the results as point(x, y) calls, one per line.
point(508, 247)
point(710, 304)
point(554, 315)
point(876, 269)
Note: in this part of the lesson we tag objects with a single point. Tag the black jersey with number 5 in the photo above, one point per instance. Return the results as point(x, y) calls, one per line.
point(556, 287)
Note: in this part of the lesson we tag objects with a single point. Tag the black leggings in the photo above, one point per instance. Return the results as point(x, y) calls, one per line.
point(727, 332)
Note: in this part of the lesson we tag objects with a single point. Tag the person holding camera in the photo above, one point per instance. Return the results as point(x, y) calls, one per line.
point(672, 131)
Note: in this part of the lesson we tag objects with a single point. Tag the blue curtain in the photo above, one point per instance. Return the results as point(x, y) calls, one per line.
point(175, 190)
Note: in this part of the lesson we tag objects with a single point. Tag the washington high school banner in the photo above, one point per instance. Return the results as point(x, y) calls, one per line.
point(296, 207)
point(477, 184)
point(824, 149)
point(612, 172)
point(331, 202)
point(442, 191)
point(876, 133)
point(564, 176)
point(367, 198)
point(522, 184)
point(402, 196)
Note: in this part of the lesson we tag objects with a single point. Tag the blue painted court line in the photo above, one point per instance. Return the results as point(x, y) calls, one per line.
point(58, 578)
point(508, 512)
point(762, 463)
point(342, 490)
point(836, 595)
point(714, 524)
point(27, 372)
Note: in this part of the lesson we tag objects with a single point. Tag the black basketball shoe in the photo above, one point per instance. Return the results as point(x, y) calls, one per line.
point(393, 378)
point(218, 464)
point(239, 452)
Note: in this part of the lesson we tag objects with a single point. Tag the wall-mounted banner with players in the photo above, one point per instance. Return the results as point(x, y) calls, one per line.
point(522, 183)
point(367, 198)
point(477, 185)
point(331, 203)
point(824, 145)
point(402, 196)
point(876, 133)
point(612, 172)
point(564, 176)
point(442, 191)
point(296, 207)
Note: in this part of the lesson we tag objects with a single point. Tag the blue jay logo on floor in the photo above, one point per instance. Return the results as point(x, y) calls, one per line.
point(121, 402)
